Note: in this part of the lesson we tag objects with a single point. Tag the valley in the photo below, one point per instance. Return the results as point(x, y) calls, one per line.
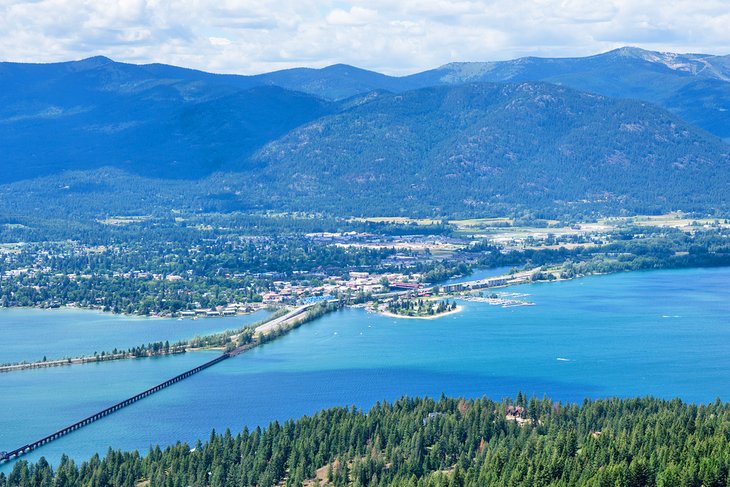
point(325, 252)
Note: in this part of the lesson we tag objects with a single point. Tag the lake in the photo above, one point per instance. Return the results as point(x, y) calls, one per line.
point(661, 333)
point(30, 334)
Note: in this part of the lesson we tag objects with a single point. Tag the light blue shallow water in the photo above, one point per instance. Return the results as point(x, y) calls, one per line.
point(660, 333)
point(29, 334)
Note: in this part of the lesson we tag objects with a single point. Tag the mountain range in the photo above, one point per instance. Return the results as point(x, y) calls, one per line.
point(694, 86)
point(628, 130)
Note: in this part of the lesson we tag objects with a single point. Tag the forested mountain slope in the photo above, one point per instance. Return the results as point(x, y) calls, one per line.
point(70, 132)
point(149, 120)
point(696, 87)
point(426, 443)
point(483, 147)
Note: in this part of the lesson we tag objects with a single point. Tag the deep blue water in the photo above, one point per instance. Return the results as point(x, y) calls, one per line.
point(30, 334)
point(661, 333)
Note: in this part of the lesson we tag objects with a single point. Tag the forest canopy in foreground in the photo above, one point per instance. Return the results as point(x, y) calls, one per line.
point(421, 442)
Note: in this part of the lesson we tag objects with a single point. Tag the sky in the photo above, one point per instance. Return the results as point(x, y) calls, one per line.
point(390, 36)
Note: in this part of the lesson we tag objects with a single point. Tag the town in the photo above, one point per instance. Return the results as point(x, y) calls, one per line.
point(221, 271)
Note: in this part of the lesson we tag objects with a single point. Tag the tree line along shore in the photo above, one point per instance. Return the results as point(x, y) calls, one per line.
point(702, 250)
point(434, 443)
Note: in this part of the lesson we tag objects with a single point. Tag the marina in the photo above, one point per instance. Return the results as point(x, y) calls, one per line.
point(503, 299)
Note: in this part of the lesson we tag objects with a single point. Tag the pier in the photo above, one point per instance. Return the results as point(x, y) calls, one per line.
point(7, 456)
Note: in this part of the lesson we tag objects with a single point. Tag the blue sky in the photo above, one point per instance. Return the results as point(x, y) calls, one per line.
point(395, 36)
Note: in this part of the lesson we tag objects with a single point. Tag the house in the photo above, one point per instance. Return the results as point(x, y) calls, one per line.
point(515, 411)
point(431, 416)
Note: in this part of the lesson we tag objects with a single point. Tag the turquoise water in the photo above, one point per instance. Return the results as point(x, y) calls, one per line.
point(659, 333)
point(30, 334)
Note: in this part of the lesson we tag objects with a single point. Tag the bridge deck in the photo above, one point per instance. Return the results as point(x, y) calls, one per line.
point(6, 456)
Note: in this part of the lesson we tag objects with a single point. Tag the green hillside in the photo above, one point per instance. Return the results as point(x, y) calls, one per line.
point(98, 138)
point(491, 148)
point(153, 121)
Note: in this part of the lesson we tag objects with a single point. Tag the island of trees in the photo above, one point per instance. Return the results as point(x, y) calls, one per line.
point(419, 308)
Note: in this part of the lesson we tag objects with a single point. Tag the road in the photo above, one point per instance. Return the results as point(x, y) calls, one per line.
point(510, 280)
point(282, 320)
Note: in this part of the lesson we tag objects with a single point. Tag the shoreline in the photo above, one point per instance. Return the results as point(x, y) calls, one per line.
point(91, 309)
point(87, 359)
point(92, 359)
point(175, 349)
point(71, 307)
point(109, 357)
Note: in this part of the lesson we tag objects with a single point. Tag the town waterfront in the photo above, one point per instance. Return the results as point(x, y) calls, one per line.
point(661, 333)
point(477, 275)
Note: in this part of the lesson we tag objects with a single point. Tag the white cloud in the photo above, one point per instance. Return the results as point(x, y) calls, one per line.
point(219, 41)
point(354, 16)
point(249, 36)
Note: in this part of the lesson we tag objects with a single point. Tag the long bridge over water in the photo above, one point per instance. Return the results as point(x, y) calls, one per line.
point(6, 456)
point(263, 329)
